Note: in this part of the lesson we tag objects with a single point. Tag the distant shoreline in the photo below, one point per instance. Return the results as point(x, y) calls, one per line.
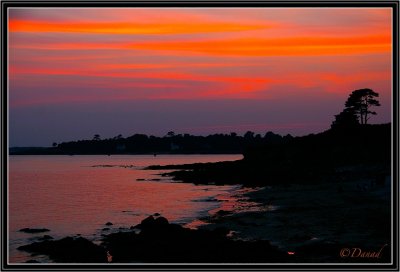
point(144, 144)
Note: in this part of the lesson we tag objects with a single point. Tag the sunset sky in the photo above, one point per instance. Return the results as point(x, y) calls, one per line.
point(78, 72)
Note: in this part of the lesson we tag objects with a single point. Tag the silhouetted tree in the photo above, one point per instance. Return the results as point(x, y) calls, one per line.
point(359, 102)
point(249, 135)
point(287, 137)
point(96, 137)
point(346, 119)
point(54, 144)
point(171, 134)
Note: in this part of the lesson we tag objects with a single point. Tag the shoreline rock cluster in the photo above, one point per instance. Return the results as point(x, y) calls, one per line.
point(155, 240)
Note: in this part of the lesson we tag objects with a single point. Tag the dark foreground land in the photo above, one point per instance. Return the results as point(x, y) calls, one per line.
point(323, 190)
point(327, 156)
point(156, 240)
point(325, 198)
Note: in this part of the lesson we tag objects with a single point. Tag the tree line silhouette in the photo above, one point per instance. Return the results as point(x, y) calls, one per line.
point(357, 109)
point(351, 147)
point(170, 143)
point(357, 112)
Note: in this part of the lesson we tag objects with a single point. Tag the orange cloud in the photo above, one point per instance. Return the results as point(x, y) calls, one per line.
point(252, 47)
point(174, 65)
point(179, 84)
point(277, 46)
point(131, 27)
point(18, 70)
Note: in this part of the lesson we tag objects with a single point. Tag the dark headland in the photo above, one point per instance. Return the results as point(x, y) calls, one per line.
point(334, 155)
point(320, 193)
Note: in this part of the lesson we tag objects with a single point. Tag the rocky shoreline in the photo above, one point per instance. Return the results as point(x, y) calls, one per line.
point(325, 199)
point(316, 221)
point(293, 223)
point(155, 240)
point(347, 208)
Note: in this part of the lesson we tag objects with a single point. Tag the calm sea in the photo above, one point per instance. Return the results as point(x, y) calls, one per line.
point(73, 195)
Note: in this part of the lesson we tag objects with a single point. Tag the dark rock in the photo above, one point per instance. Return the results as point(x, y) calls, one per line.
point(29, 230)
point(221, 231)
point(149, 221)
point(299, 238)
point(104, 229)
point(156, 214)
point(223, 213)
point(161, 221)
point(46, 237)
point(69, 250)
point(160, 241)
point(109, 224)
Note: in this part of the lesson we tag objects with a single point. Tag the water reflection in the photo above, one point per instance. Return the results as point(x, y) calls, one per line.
point(68, 196)
point(231, 202)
